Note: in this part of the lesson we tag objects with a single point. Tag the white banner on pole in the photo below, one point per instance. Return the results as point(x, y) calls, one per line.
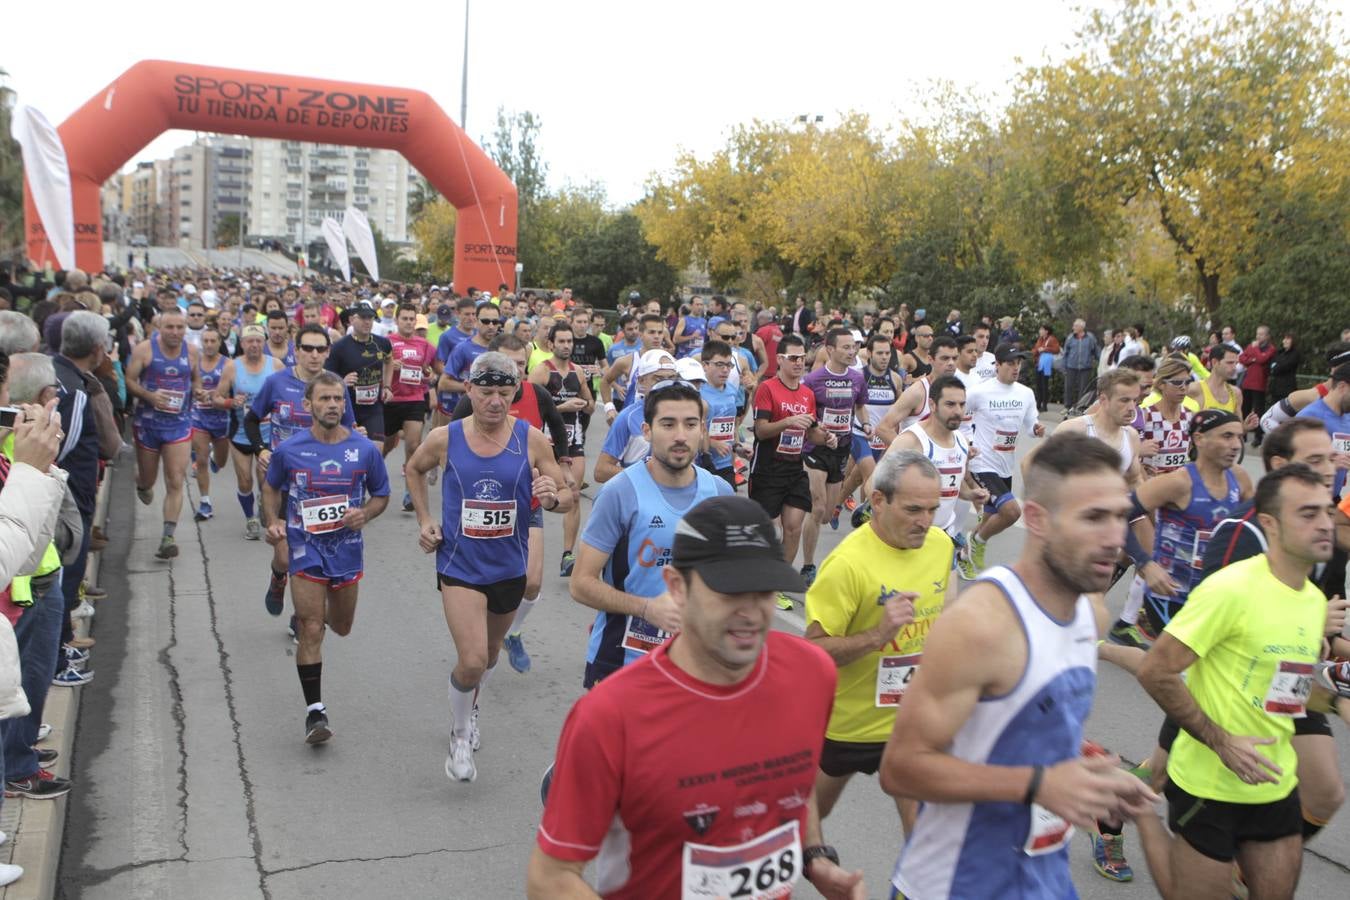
point(357, 229)
point(48, 173)
point(337, 246)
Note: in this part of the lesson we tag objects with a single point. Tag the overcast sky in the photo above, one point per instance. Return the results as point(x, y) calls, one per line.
point(620, 86)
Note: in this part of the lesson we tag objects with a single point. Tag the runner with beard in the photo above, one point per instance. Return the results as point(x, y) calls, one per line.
point(567, 385)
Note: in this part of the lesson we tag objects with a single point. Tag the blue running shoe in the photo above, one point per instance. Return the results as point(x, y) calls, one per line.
point(211, 464)
point(275, 599)
point(568, 561)
point(809, 574)
point(407, 502)
point(204, 511)
point(1108, 857)
point(834, 519)
point(515, 653)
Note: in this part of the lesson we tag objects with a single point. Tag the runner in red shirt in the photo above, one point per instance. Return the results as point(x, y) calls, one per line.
point(770, 334)
point(691, 771)
point(413, 367)
point(785, 419)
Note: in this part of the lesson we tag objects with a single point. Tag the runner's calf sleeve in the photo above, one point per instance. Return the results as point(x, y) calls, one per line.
point(311, 675)
point(522, 612)
point(461, 708)
point(1134, 602)
point(246, 503)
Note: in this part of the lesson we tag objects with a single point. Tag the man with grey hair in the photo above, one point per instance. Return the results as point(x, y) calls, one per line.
point(870, 608)
point(1080, 362)
point(18, 333)
point(84, 340)
point(32, 379)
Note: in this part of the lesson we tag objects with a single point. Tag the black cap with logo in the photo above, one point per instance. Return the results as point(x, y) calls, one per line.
point(364, 310)
point(731, 543)
point(1008, 353)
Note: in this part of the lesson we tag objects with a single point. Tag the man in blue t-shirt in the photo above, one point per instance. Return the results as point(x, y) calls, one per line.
point(450, 338)
point(628, 340)
point(1334, 411)
point(456, 373)
point(628, 537)
point(324, 475)
point(721, 401)
point(626, 443)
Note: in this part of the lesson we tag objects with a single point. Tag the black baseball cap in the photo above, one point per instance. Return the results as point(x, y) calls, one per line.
point(445, 311)
point(731, 543)
point(364, 310)
point(1008, 352)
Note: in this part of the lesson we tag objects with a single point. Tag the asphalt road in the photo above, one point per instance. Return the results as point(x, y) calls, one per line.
point(193, 780)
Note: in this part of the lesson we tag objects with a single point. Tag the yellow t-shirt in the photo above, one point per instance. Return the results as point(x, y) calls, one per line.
point(1212, 402)
point(1257, 641)
point(1155, 397)
point(537, 356)
point(846, 599)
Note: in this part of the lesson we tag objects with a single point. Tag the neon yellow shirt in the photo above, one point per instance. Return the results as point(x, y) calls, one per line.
point(1257, 641)
point(846, 599)
point(537, 356)
point(1186, 402)
point(1211, 402)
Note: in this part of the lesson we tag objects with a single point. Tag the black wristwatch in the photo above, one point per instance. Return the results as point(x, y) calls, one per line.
point(818, 851)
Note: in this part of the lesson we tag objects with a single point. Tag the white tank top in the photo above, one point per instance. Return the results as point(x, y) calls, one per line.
point(924, 410)
point(960, 849)
point(951, 466)
point(1125, 450)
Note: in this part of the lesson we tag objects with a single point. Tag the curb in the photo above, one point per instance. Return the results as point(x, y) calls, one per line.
point(36, 827)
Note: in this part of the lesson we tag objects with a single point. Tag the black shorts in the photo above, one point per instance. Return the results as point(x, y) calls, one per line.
point(831, 462)
point(1312, 723)
point(395, 414)
point(773, 490)
point(840, 758)
point(1216, 828)
point(246, 449)
point(503, 597)
point(728, 474)
point(371, 418)
point(1000, 489)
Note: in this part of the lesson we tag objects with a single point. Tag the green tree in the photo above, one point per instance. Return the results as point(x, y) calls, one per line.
point(420, 194)
point(11, 179)
point(434, 232)
point(603, 264)
point(227, 230)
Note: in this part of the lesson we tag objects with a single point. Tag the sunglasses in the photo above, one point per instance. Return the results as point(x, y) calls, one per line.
point(794, 357)
point(312, 348)
point(1178, 382)
point(489, 321)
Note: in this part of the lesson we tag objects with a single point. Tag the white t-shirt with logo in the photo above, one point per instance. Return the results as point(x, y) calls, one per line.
point(1001, 413)
point(986, 367)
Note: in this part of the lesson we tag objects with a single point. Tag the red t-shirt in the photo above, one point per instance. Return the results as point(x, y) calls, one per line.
point(770, 335)
point(412, 360)
point(774, 401)
point(656, 771)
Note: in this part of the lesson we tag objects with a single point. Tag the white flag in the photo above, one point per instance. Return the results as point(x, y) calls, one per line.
point(357, 228)
point(337, 246)
point(48, 174)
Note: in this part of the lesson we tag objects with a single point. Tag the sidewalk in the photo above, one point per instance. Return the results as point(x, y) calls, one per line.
point(36, 827)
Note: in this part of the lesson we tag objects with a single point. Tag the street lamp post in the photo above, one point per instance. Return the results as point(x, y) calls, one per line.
point(520, 267)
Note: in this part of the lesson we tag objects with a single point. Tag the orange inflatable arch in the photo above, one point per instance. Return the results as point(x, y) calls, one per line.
point(154, 96)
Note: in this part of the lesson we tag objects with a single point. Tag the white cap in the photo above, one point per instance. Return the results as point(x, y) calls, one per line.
point(137, 284)
point(654, 361)
point(690, 369)
point(389, 301)
point(189, 289)
point(209, 298)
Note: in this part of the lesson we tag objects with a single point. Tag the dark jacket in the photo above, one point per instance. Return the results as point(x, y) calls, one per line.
point(1283, 374)
point(79, 451)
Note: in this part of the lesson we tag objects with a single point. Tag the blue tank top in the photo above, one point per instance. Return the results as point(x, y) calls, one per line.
point(172, 375)
point(693, 325)
point(288, 360)
point(635, 567)
point(249, 384)
point(1183, 535)
point(209, 416)
point(485, 509)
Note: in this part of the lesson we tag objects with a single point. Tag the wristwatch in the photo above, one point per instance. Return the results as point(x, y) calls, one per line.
point(815, 852)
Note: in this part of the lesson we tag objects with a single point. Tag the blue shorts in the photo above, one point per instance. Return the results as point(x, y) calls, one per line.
point(216, 428)
point(153, 436)
point(860, 449)
point(537, 517)
point(334, 582)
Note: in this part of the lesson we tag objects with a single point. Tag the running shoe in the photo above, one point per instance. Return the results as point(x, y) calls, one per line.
point(1335, 677)
point(850, 504)
point(964, 567)
point(168, 548)
point(74, 656)
point(84, 611)
point(475, 736)
point(275, 598)
point(46, 756)
point(459, 761)
point(862, 515)
point(44, 732)
point(977, 548)
point(211, 464)
point(568, 561)
point(432, 476)
point(252, 528)
point(204, 511)
point(407, 502)
point(1108, 857)
point(145, 495)
point(70, 677)
point(293, 629)
point(785, 602)
point(545, 783)
point(316, 727)
point(41, 785)
point(1127, 635)
point(809, 574)
point(834, 519)
point(515, 653)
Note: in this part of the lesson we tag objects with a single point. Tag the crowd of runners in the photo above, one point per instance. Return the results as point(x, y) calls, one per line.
point(710, 748)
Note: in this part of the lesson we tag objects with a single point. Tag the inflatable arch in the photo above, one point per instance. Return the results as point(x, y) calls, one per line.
point(154, 96)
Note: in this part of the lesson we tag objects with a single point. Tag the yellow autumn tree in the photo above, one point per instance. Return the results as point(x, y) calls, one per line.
point(434, 232)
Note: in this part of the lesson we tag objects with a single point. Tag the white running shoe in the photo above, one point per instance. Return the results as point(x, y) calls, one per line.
point(459, 763)
point(10, 874)
point(43, 730)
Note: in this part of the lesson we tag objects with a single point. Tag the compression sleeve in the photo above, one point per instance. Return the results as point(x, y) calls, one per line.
point(253, 428)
